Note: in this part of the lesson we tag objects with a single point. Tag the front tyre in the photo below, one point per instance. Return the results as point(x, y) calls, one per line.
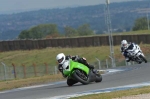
point(143, 58)
point(98, 78)
point(71, 82)
point(81, 76)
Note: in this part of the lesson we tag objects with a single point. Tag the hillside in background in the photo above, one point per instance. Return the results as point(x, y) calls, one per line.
point(123, 16)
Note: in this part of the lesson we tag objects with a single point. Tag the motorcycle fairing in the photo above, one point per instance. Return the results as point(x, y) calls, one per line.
point(70, 65)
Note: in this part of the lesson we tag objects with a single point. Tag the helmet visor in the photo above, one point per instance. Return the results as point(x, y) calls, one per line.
point(60, 60)
point(124, 45)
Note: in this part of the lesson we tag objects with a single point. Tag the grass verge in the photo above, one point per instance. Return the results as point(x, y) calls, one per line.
point(11, 84)
point(117, 94)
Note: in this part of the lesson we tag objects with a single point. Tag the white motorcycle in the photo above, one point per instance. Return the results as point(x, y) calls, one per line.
point(136, 54)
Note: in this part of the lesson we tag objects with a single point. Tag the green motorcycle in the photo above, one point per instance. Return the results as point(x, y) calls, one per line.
point(77, 72)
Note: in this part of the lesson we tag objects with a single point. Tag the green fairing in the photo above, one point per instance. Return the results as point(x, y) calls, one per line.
point(74, 65)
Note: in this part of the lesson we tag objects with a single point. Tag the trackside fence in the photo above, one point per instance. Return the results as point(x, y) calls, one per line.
point(18, 72)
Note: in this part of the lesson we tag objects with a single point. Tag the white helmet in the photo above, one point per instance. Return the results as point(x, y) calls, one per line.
point(60, 58)
point(124, 44)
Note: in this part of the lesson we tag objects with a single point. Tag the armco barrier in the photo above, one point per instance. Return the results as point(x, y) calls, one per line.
point(71, 42)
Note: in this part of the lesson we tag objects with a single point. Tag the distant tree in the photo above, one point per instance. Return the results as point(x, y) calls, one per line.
point(140, 24)
point(24, 34)
point(85, 30)
point(70, 32)
point(35, 33)
point(40, 31)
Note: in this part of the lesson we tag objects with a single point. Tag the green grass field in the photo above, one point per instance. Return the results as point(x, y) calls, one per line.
point(48, 55)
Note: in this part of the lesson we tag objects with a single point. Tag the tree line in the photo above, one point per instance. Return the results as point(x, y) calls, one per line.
point(51, 30)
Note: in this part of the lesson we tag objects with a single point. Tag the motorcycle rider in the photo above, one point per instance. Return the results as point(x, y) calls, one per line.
point(127, 46)
point(61, 57)
point(124, 46)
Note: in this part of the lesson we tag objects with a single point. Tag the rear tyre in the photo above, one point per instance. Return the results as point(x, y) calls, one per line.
point(80, 76)
point(143, 58)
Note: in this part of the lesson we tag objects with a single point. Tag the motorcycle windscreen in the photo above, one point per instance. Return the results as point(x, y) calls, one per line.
point(66, 68)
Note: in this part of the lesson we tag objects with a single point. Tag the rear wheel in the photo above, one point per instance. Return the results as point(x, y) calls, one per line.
point(143, 58)
point(81, 76)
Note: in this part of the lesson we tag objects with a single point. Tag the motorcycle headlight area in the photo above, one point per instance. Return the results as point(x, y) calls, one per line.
point(65, 65)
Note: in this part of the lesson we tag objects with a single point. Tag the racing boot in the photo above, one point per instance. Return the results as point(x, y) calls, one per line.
point(127, 59)
point(95, 71)
point(139, 62)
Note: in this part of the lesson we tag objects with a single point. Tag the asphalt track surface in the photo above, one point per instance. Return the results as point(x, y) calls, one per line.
point(130, 75)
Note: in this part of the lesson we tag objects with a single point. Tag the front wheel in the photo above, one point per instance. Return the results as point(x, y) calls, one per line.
point(143, 58)
point(98, 78)
point(71, 82)
point(81, 76)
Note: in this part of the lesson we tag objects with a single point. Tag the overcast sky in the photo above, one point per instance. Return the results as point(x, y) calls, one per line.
point(12, 6)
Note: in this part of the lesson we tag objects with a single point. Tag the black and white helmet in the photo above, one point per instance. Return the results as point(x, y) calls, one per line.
point(124, 44)
point(60, 58)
